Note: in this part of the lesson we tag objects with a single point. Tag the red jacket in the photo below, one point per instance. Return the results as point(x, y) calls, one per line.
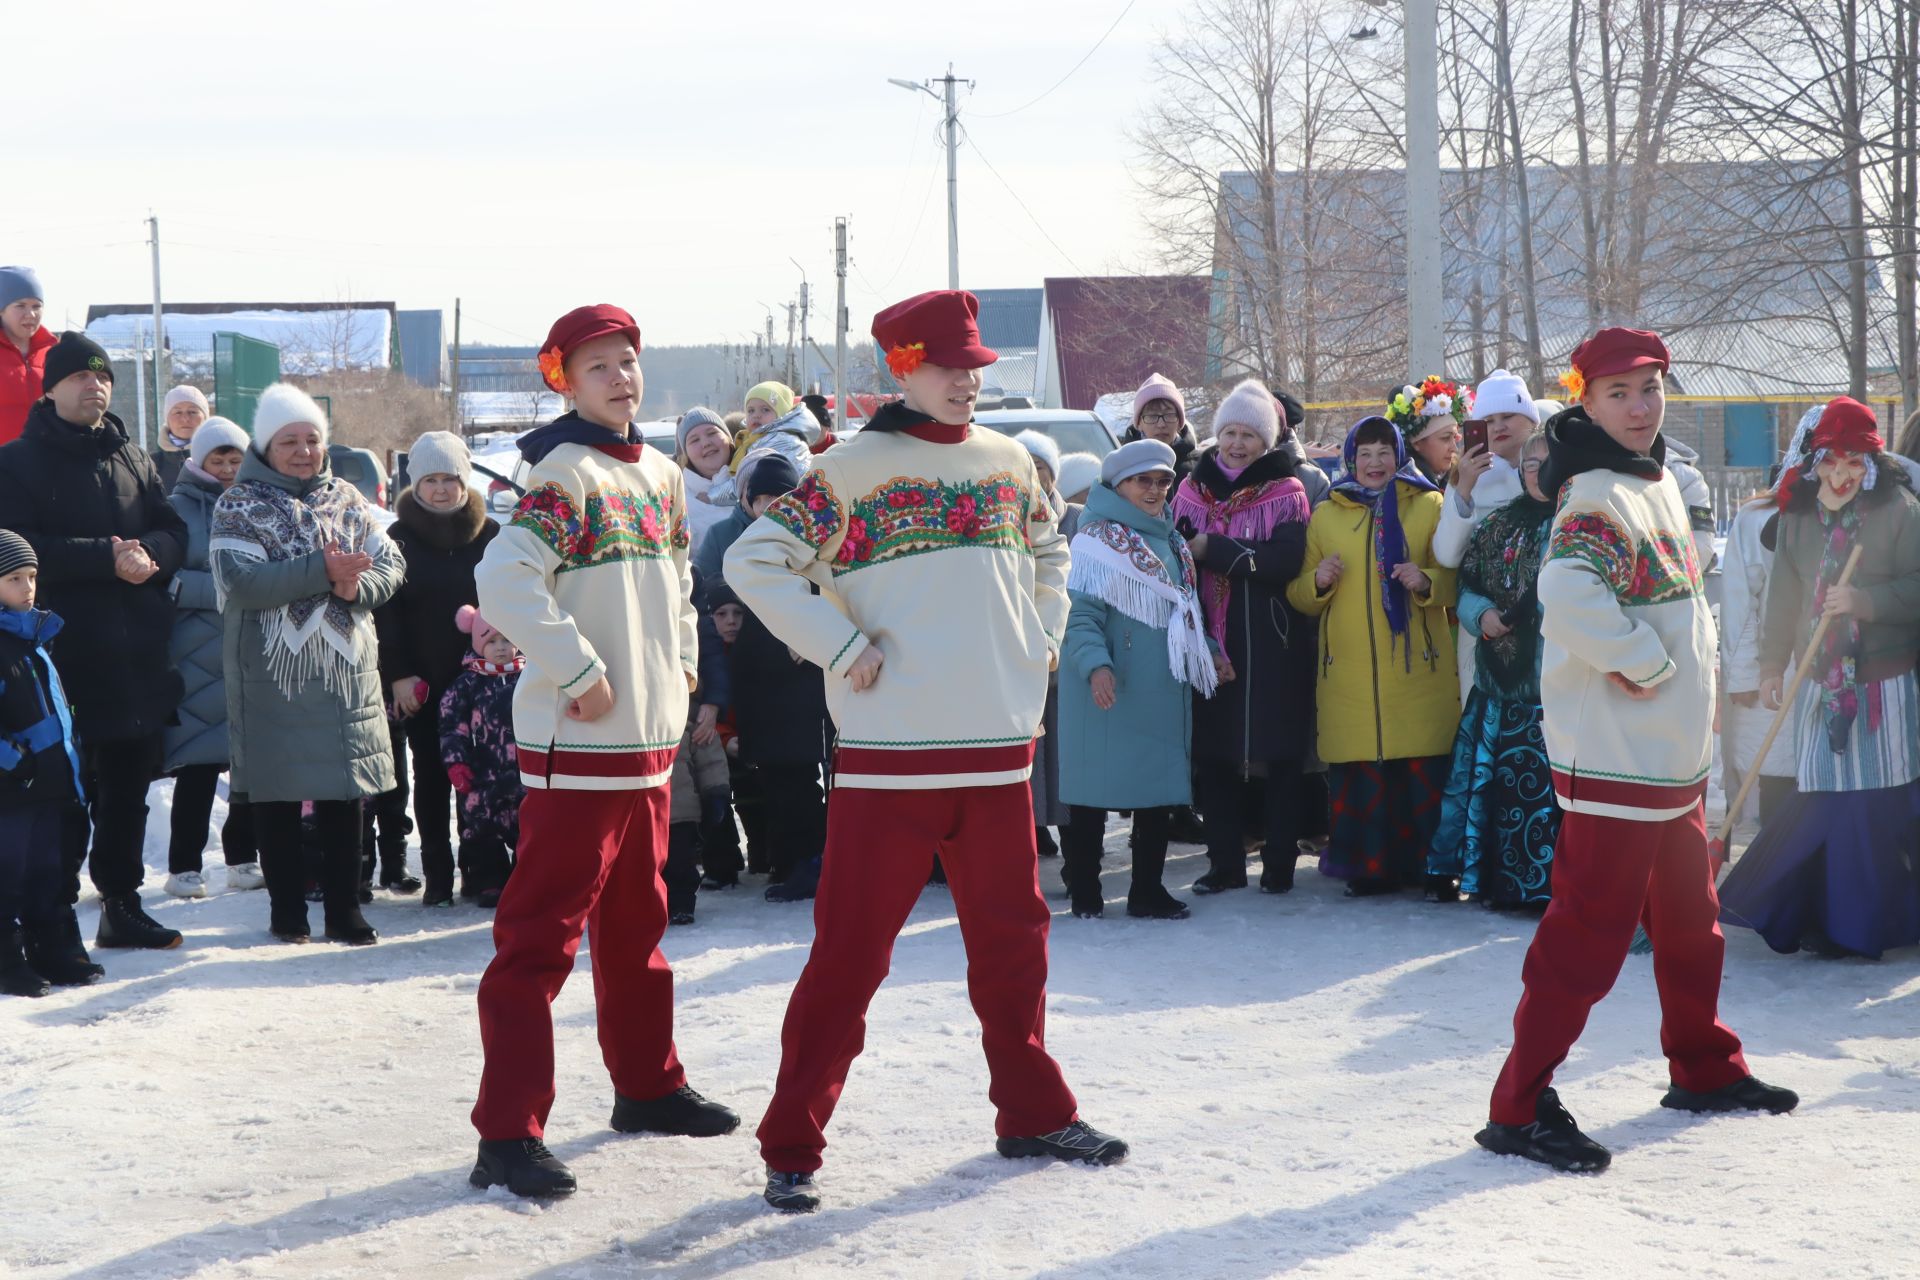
point(20, 380)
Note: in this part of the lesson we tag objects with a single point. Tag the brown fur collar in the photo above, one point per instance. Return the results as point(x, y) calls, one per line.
point(445, 532)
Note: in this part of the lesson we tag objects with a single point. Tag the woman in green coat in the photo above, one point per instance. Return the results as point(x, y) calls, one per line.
point(300, 567)
point(1135, 650)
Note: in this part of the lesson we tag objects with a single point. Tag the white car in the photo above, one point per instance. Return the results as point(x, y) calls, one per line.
point(505, 470)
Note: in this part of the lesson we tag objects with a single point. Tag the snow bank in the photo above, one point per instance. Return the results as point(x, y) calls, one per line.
point(310, 342)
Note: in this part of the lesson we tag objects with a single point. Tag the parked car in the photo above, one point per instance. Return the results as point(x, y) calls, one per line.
point(1074, 430)
point(505, 470)
point(361, 468)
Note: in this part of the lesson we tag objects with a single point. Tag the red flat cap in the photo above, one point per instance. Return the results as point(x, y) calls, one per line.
point(1612, 352)
point(577, 328)
point(942, 327)
point(1848, 426)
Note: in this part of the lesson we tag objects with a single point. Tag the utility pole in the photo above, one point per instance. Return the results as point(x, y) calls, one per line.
point(159, 337)
point(1426, 300)
point(804, 303)
point(792, 376)
point(840, 327)
point(457, 421)
point(951, 123)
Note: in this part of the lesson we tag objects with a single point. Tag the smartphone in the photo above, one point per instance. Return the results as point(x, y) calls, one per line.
point(1473, 435)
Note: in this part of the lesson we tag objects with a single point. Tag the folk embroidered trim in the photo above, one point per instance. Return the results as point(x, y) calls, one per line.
point(611, 526)
point(910, 516)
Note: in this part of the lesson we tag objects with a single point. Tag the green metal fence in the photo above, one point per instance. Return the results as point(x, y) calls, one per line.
point(243, 367)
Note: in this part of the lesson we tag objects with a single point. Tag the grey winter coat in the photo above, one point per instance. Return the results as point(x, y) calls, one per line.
point(200, 737)
point(320, 744)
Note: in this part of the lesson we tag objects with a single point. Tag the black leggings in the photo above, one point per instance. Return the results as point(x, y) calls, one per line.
point(194, 787)
point(1224, 804)
point(276, 823)
point(115, 776)
point(796, 816)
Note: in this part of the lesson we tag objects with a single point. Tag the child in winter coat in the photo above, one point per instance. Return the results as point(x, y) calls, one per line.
point(476, 742)
point(700, 791)
point(39, 788)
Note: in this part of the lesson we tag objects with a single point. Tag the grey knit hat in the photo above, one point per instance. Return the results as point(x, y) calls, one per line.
point(695, 417)
point(1136, 457)
point(440, 453)
point(15, 553)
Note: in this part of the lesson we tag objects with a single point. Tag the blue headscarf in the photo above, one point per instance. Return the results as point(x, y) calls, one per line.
point(1389, 539)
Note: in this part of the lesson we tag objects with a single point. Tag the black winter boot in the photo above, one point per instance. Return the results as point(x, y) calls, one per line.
point(523, 1166)
point(17, 977)
point(125, 923)
point(802, 883)
point(345, 923)
point(394, 877)
point(55, 952)
point(683, 1112)
point(1744, 1094)
point(436, 868)
point(285, 872)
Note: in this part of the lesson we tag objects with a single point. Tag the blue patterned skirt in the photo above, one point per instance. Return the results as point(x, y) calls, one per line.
point(1498, 820)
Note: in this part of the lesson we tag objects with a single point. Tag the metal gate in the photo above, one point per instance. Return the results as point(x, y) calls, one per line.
point(243, 367)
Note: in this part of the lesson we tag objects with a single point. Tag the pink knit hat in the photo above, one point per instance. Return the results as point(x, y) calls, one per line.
point(468, 620)
point(1158, 387)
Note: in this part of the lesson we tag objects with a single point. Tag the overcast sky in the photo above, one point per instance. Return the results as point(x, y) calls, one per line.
point(668, 155)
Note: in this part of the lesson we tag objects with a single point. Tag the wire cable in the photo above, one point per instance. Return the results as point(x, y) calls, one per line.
point(1017, 200)
point(1001, 115)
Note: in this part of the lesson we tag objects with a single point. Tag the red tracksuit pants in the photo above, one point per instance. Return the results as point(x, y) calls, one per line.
point(1610, 874)
point(592, 860)
point(880, 849)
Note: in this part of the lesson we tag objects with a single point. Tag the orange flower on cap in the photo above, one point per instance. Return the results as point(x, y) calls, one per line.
point(903, 360)
point(553, 370)
point(1575, 383)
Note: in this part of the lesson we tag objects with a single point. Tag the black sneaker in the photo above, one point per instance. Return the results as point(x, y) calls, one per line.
point(353, 930)
point(1272, 881)
point(1079, 1142)
point(1552, 1139)
point(682, 1112)
point(1369, 887)
point(523, 1166)
point(680, 917)
point(792, 1192)
point(1442, 888)
point(1219, 882)
point(399, 880)
point(55, 952)
point(125, 923)
point(1744, 1094)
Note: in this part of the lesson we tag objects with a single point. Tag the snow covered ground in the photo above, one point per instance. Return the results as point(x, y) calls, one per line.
point(1300, 1077)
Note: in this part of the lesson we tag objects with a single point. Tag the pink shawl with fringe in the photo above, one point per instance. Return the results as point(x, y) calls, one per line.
point(1245, 515)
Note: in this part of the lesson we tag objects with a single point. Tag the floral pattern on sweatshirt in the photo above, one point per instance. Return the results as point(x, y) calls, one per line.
point(612, 525)
point(476, 731)
point(910, 517)
point(811, 512)
point(1663, 568)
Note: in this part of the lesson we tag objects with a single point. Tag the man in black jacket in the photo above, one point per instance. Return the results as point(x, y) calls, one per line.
point(88, 500)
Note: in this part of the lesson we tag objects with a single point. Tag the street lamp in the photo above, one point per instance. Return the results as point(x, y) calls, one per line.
point(953, 148)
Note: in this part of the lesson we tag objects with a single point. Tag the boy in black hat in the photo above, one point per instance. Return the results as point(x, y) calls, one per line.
point(39, 787)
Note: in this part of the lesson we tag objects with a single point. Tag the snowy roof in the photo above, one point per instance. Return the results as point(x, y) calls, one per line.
point(312, 338)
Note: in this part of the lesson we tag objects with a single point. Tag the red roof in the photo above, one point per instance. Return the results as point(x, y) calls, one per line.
point(1110, 332)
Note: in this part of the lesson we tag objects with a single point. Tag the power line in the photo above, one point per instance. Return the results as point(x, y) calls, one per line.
point(1001, 115)
point(1017, 200)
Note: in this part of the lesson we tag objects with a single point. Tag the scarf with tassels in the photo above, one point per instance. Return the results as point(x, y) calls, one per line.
point(1116, 564)
point(480, 666)
point(1245, 506)
point(1389, 538)
point(318, 636)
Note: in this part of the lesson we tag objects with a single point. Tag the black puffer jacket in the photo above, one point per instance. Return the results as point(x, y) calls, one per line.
point(1266, 712)
point(417, 635)
point(32, 772)
point(69, 491)
point(780, 705)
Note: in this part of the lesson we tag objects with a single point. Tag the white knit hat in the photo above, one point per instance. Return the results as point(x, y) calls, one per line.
point(1043, 449)
point(1078, 473)
point(1503, 392)
point(440, 453)
point(281, 405)
point(1252, 406)
point(215, 433)
point(184, 394)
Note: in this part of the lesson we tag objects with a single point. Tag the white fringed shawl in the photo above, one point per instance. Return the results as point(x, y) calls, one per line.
point(1114, 563)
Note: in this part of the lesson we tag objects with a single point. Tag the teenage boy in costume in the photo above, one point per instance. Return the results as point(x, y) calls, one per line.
point(591, 579)
point(1627, 689)
point(940, 609)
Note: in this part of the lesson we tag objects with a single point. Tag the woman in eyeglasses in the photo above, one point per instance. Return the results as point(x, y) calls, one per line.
point(1160, 413)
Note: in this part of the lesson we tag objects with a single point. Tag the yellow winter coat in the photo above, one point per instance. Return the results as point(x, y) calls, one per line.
point(1373, 703)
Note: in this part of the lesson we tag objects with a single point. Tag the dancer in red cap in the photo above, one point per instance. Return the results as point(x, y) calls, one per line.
point(920, 567)
point(1834, 868)
point(1627, 690)
point(591, 581)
